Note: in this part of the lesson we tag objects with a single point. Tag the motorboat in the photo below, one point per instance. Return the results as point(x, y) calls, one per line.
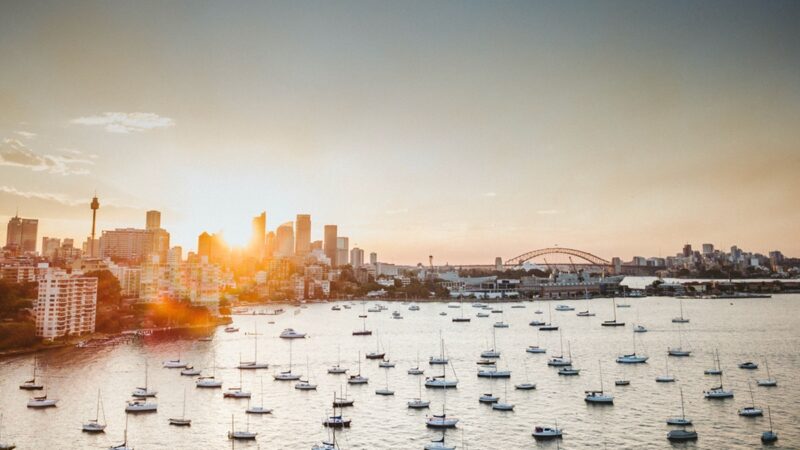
point(541, 433)
point(639, 329)
point(622, 382)
point(535, 323)
point(413, 307)
point(190, 371)
point(564, 308)
point(231, 329)
point(749, 365)
point(586, 314)
point(336, 308)
point(486, 362)
point(482, 315)
point(290, 333)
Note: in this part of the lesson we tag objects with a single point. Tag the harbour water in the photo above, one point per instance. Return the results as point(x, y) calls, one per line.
point(741, 329)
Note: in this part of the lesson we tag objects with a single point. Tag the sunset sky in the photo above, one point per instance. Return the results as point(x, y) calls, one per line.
point(462, 129)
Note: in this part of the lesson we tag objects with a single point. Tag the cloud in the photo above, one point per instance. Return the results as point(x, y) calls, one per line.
point(58, 198)
point(14, 153)
point(548, 212)
point(26, 134)
point(120, 122)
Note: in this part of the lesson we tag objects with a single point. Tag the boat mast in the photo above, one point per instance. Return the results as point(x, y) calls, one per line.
point(614, 306)
point(600, 367)
point(752, 399)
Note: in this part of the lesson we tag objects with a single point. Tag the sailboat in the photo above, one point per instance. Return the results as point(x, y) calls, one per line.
point(258, 409)
point(503, 406)
point(613, 323)
point(441, 381)
point(632, 358)
point(541, 433)
point(336, 421)
point(682, 420)
point(752, 410)
point(238, 391)
point(385, 390)
point(182, 421)
point(337, 368)
point(502, 323)
point(287, 375)
point(32, 385)
point(717, 370)
point(527, 385)
point(462, 318)
point(144, 392)
point(680, 319)
point(94, 425)
point(42, 401)
point(492, 352)
point(438, 444)
point(441, 420)
point(536, 348)
point(599, 397)
point(718, 392)
point(416, 370)
point(666, 378)
point(306, 385)
point(190, 371)
point(560, 361)
point(343, 400)
point(210, 382)
point(174, 363)
point(767, 436)
point(569, 370)
point(419, 403)
point(769, 381)
point(241, 435)
point(441, 359)
point(386, 363)
point(4, 445)
point(254, 364)
point(358, 378)
point(549, 325)
point(679, 350)
point(363, 331)
point(492, 371)
point(377, 354)
point(124, 445)
point(327, 445)
point(683, 434)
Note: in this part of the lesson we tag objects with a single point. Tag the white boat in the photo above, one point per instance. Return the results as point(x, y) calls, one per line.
point(385, 390)
point(542, 433)
point(4, 445)
point(586, 314)
point(565, 308)
point(682, 420)
point(718, 392)
point(260, 409)
point(560, 361)
point(95, 425)
point(245, 435)
point(488, 398)
point(287, 375)
point(613, 323)
point(210, 382)
point(416, 370)
point(190, 371)
point(527, 385)
point(441, 359)
point(386, 364)
point(174, 363)
point(717, 370)
point(503, 406)
point(254, 364)
point(377, 354)
point(749, 365)
point(290, 333)
point(441, 381)
point(306, 385)
point(680, 319)
point(336, 421)
point(337, 368)
point(438, 444)
point(769, 436)
point(181, 421)
point(419, 403)
point(124, 445)
point(769, 381)
point(32, 385)
point(492, 352)
point(599, 397)
point(632, 358)
point(639, 329)
point(666, 378)
point(493, 372)
point(144, 392)
point(413, 307)
point(231, 329)
point(482, 315)
point(679, 350)
point(238, 391)
point(752, 410)
point(358, 378)
point(135, 406)
point(441, 421)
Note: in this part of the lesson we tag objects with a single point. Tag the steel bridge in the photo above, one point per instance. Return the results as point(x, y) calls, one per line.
point(586, 256)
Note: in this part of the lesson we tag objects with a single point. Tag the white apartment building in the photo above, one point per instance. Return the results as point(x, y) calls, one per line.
point(67, 304)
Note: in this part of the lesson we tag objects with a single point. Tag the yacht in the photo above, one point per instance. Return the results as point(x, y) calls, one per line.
point(679, 350)
point(527, 385)
point(767, 436)
point(386, 364)
point(377, 354)
point(717, 370)
point(683, 434)
point(622, 382)
point(416, 370)
point(718, 392)
point(769, 381)
point(336, 308)
point(385, 390)
point(124, 445)
point(238, 435)
point(546, 326)
point(144, 392)
point(438, 444)
point(503, 406)
point(639, 329)
point(32, 385)
point(287, 375)
point(254, 364)
point(42, 402)
point(413, 307)
point(482, 315)
point(632, 358)
point(599, 397)
point(306, 385)
point(560, 361)
point(492, 352)
point(441, 421)
point(337, 369)
point(231, 329)
point(260, 409)
point(135, 406)
point(174, 363)
point(290, 333)
point(749, 365)
point(565, 308)
point(441, 381)
point(95, 425)
point(363, 331)
point(752, 410)
point(181, 421)
point(666, 378)
point(541, 433)
point(237, 392)
point(343, 400)
point(336, 421)
point(190, 371)
point(493, 372)
point(680, 319)
point(462, 318)
point(441, 359)
point(488, 398)
point(419, 403)
point(586, 314)
point(357, 378)
point(613, 323)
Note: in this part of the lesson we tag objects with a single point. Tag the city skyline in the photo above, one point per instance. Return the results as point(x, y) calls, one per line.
point(461, 131)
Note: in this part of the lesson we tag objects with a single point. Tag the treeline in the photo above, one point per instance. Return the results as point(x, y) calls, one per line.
point(17, 327)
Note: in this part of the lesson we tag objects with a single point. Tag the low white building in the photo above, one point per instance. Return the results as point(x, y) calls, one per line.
point(67, 304)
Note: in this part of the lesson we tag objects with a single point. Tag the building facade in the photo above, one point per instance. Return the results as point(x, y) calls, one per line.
point(66, 305)
point(330, 244)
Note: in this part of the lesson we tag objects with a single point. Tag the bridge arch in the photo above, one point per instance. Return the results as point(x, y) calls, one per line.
point(586, 256)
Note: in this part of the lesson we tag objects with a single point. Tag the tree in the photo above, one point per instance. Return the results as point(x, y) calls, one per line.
point(109, 291)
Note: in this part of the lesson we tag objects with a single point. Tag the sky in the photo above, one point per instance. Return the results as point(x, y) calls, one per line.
point(460, 129)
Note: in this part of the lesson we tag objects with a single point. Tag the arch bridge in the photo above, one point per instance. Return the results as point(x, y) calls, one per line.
point(586, 256)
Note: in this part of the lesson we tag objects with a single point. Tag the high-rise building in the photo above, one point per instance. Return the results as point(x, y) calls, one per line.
point(284, 240)
point(258, 240)
point(91, 248)
point(373, 258)
point(687, 250)
point(50, 247)
point(708, 249)
point(270, 245)
point(330, 243)
point(21, 234)
point(67, 304)
point(303, 235)
point(356, 257)
point(212, 247)
point(175, 255)
point(316, 245)
point(153, 221)
point(342, 251)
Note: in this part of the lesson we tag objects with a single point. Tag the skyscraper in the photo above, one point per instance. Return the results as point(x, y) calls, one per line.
point(342, 251)
point(687, 250)
point(330, 243)
point(153, 221)
point(356, 257)
point(258, 240)
point(373, 258)
point(303, 235)
point(284, 240)
point(21, 234)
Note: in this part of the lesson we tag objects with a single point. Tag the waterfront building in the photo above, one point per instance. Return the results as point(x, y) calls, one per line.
point(21, 234)
point(356, 257)
point(342, 251)
point(331, 243)
point(66, 305)
point(284, 240)
point(303, 235)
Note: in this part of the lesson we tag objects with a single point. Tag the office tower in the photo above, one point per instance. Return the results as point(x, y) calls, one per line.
point(212, 247)
point(21, 234)
point(125, 244)
point(342, 251)
point(330, 243)
point(175, 255)
point(153, 221)
point(316, 245)
point(50, 247)
point(258, 239)
point(303, 235)
point(94, 245)
point(67, 304)
point(284, 240)
point(373, 258)
point(687, 250)
point(270, 245)
point(356, 257)
point(708, 249)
